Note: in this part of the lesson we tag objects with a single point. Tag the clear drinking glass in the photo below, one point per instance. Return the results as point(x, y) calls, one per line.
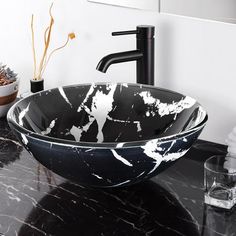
point(220, 181)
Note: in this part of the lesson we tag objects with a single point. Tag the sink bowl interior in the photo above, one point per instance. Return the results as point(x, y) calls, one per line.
point(106, 113)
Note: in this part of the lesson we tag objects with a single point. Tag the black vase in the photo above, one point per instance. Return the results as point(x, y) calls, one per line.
point(36, 85)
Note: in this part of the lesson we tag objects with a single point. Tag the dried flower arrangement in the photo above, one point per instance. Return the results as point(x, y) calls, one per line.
point(38, 72)
point(7, 76)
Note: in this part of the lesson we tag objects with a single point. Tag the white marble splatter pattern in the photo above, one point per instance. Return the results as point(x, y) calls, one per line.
point(164, 109)
point(102, 104)
point(98, 111)
point(49, 128)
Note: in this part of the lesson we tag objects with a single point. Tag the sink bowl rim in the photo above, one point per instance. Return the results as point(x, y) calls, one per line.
point(73, 143)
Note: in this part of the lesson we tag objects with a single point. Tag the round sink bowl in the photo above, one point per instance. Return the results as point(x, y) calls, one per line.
point(106, 134)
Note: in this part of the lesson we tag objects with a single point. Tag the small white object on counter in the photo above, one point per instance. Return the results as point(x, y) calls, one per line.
point(230, 163)
point(231, 142)
point(8, 95)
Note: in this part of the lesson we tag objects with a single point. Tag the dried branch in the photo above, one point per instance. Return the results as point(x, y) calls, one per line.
point(47, 38)
point(33, 46)
point(70, 36)
point(39, 76)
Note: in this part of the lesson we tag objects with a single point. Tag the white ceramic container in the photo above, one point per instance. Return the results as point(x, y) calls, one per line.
point(8, 95)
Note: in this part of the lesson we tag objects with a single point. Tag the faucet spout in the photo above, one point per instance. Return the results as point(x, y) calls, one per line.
point(119, 57)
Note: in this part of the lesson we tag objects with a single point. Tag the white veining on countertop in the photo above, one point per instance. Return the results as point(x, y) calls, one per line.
point(10, 140)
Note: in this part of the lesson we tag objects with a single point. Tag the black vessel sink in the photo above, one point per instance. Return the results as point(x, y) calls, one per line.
point(106, 134)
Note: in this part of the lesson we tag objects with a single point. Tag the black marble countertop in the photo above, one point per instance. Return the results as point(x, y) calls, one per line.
point(34, 201)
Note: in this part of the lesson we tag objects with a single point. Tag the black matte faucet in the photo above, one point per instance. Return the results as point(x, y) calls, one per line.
point(144, 54)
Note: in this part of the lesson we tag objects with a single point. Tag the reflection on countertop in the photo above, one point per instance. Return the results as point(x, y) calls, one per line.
point(34, 201)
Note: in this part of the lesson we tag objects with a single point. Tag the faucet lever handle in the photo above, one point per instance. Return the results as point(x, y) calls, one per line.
point(124, 32)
